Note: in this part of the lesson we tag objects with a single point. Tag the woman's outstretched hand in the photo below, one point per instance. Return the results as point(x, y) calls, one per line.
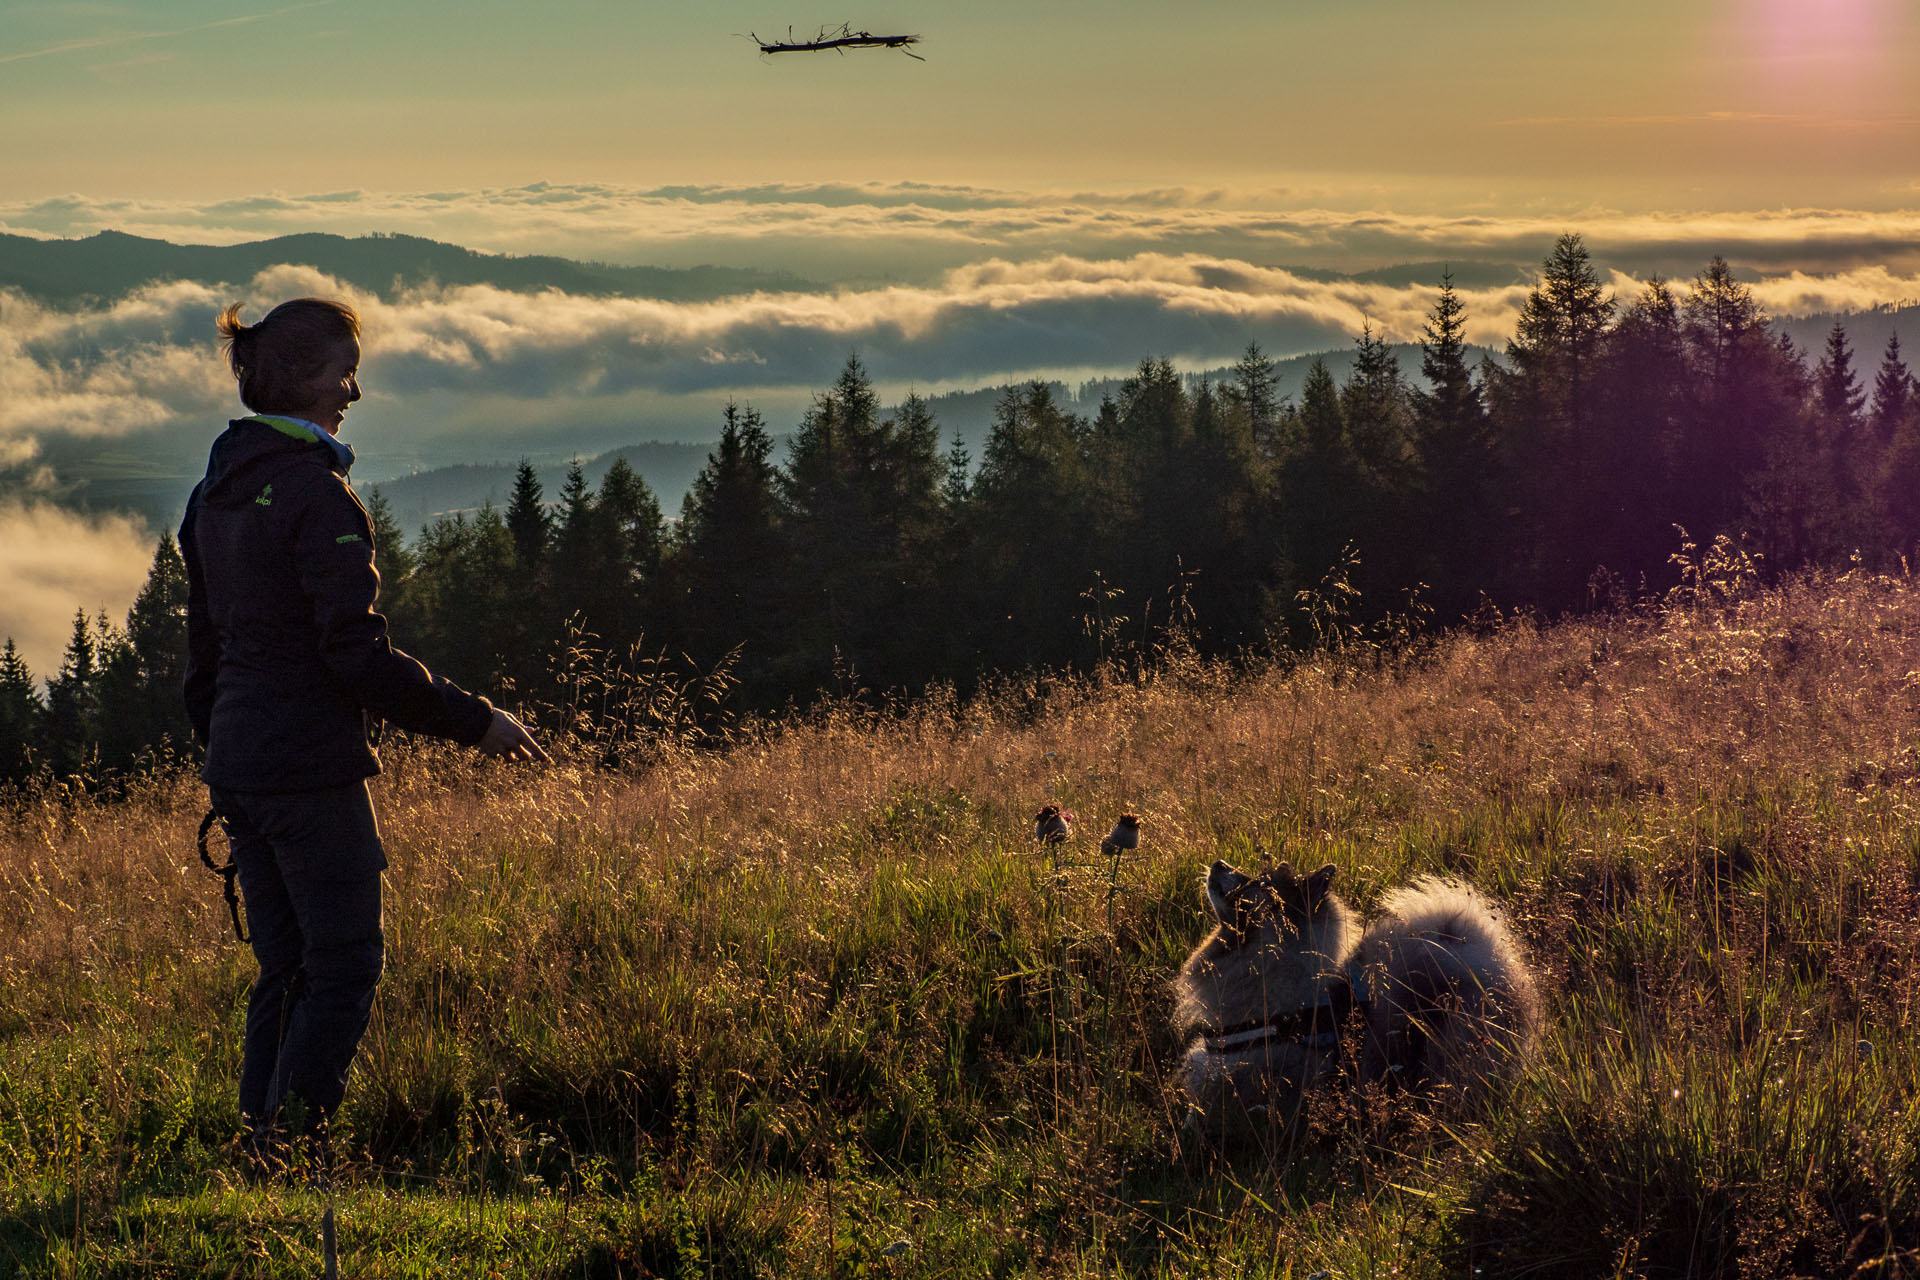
point(507, 738)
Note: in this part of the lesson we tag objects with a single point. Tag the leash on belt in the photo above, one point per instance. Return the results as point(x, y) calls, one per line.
point(228, 874)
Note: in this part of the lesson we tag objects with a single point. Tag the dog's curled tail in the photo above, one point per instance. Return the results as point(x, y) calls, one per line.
point(1451, 978)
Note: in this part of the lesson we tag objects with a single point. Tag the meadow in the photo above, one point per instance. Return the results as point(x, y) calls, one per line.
point(813, 1003)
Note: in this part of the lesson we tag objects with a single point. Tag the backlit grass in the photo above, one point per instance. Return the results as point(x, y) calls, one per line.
point(816, 1004)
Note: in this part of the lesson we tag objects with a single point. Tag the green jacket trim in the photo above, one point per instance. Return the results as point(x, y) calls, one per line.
point(285, 426)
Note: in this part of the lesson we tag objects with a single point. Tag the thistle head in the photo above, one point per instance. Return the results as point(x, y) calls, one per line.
point(1052, 824)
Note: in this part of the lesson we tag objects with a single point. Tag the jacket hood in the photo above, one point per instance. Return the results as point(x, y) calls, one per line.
point(248, 454)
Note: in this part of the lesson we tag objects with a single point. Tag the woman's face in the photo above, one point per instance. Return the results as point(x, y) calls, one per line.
point(333, 388)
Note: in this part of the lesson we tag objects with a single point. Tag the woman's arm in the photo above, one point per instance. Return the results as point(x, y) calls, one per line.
point(333, 557)
point(203, 639)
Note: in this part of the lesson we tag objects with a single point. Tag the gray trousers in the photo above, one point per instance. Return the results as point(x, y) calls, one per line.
point(309, 866)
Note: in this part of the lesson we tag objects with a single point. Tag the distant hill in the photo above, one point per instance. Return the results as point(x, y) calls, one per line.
point(1471, 274)
point(152, 475)
point(1867, 334)
point(970, 413)
point(668, 469)
point(111, 264)
point(155, 487)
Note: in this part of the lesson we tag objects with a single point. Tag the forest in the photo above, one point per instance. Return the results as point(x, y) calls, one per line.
point(875, 560)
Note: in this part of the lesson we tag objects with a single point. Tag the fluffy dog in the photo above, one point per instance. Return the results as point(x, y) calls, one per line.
point(1437, 987)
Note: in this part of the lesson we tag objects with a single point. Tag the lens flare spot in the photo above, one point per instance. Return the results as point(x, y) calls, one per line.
point(1825, 31)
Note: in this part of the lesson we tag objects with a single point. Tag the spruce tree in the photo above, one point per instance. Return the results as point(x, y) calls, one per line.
point(916, 468)
point(860, 494)
point(1842, 451)
point(121, 738)
point(1840, 398)
point(1323, 490)
point(21, 712)
point(143, 668)
point(1450, 408)
point(1557, 336)
point(393, 557)
point(463, 618)
point(626, 559)
point(958, 482)
point(1254, 393)
point(1229, 560)
point(1894, 393)
point(528, 521)
point(729, 563)
point(1792, 500)
point(1895, 421)
point(1457, 467)
point(72, 721)
point(1322, 427)
point(574, 535)
point(1744, 418)
point(157, 622)
point(576, 549)
point(1643, 392)
point(1374, 404)
point(1039, 528)
point(1157, 509)
point(1545, 410)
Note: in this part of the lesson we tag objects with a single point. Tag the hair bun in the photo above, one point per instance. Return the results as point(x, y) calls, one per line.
point(274, 358)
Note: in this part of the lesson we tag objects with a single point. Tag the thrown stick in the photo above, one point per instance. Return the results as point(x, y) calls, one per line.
point(845, 38)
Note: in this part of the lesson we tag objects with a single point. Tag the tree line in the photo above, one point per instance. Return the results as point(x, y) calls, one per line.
point(871, 558)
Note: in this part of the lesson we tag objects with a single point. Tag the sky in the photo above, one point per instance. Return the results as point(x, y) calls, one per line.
point(1056, 189)
point(1496, 105)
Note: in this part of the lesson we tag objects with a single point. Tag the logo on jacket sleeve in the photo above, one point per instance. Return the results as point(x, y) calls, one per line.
point(348, 537)
point(266, 497)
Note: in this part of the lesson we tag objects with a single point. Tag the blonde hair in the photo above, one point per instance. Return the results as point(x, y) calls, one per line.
point(274, 360)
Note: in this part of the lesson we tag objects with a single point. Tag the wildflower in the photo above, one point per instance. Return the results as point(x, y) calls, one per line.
point(1052, 824)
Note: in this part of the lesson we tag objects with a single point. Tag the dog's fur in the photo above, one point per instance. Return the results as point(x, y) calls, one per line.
point(1441, 994)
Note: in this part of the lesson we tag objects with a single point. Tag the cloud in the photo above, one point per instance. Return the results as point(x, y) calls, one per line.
point(912, 232)
point(149, 360)
point(448, 368)
point(989, 320)
point(58, 561)
point(1800, 294)
point(107, 371)
point(474, 372)
point(1756, 119)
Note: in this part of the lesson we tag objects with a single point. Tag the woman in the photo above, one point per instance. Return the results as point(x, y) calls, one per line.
point(287, 660)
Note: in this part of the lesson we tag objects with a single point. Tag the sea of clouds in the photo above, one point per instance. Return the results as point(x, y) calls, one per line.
point(939, 287)
point(148, 361)
point(846, 231)
point(58, 561)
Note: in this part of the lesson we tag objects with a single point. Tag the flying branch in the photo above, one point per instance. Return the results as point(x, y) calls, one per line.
point(842, 39)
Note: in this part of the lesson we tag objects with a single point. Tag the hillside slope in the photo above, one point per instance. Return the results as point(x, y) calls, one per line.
point(780, 1008)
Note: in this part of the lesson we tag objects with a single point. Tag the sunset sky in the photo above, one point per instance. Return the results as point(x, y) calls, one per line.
point(1494, 106)
point(1058, 188)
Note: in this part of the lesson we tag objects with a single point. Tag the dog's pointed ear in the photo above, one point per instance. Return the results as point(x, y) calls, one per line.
point(1318, 884)
point(1222, 883)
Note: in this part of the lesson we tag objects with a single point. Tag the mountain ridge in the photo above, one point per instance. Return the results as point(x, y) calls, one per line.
point(112, 264)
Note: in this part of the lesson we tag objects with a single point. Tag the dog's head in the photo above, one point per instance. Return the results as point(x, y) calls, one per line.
point(1280, 934)
point(1278, 907)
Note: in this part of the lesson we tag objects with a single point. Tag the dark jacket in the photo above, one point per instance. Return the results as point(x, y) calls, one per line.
point(286, 655)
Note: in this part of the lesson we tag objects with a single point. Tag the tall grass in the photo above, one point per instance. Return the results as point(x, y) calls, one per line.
point(814, 1004)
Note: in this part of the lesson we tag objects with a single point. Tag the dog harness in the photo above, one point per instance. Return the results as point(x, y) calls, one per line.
point(1317, 1027)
